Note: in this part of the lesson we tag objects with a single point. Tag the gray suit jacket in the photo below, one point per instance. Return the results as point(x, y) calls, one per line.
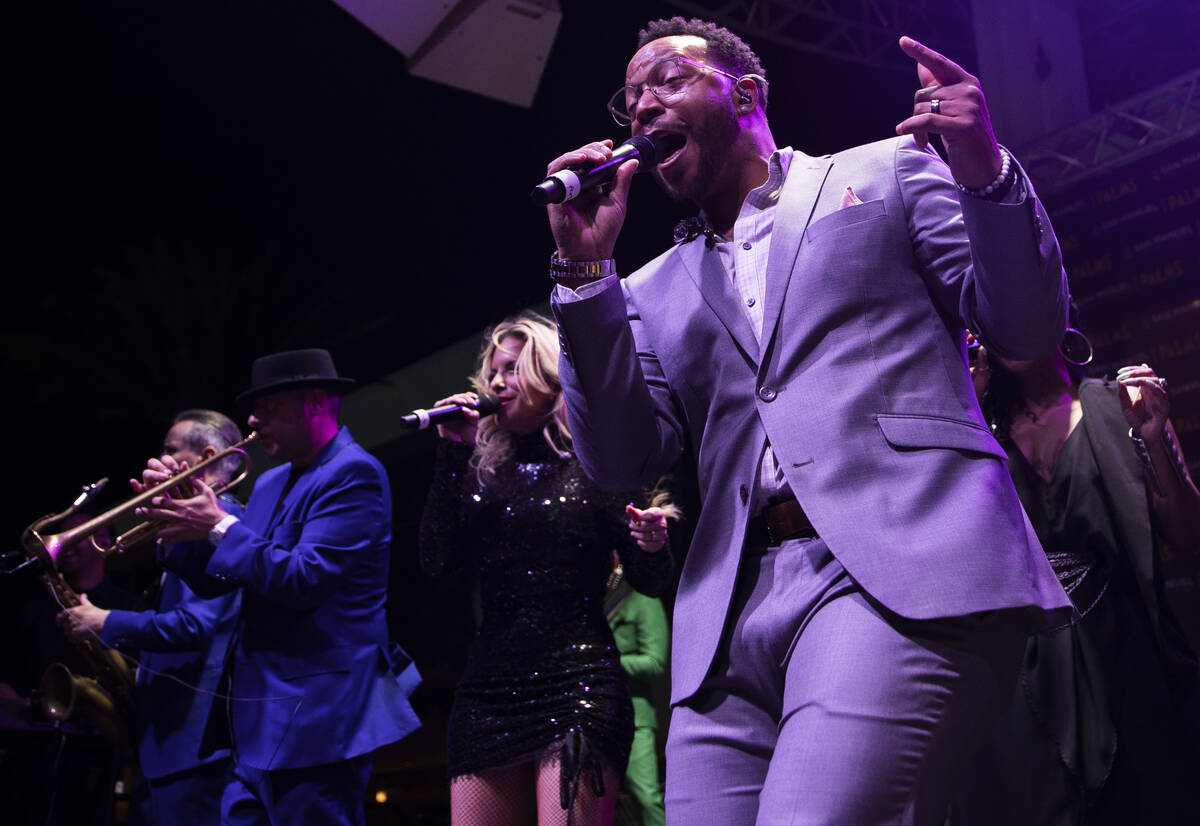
point(860, 385)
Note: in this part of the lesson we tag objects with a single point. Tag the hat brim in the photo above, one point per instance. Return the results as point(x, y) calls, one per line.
point(338, 385)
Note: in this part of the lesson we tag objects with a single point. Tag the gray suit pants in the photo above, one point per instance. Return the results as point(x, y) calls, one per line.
point(823, 707)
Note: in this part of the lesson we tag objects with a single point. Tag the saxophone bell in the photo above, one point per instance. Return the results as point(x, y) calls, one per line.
point(66, 696)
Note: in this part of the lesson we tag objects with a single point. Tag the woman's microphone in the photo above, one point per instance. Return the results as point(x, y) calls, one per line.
point(421, 418)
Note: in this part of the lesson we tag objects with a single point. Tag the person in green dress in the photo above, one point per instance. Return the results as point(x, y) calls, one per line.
point(639, 625)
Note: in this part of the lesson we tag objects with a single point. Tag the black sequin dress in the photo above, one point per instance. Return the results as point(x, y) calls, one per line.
point(543, 676)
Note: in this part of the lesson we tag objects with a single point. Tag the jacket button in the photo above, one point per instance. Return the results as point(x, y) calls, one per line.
point(767, 394)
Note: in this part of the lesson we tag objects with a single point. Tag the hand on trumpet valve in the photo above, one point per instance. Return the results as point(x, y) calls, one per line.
point(186, 518)
point(160, 470)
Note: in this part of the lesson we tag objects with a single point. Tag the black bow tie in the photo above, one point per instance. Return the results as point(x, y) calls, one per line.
point(689, 229)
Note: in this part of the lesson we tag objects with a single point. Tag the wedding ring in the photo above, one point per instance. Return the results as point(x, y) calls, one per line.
point(935, 107)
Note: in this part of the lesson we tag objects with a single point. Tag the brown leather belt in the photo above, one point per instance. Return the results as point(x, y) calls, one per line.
point(779, 522)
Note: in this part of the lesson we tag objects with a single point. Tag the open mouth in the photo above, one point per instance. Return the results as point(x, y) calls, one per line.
point(670, 145)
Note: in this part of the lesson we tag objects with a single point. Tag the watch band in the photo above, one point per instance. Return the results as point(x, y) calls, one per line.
point(221, 528)
point(582, 270)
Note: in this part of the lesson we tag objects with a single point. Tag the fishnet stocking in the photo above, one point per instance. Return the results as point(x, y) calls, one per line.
point(589, 810)
point(496, 797)
point(526, 794)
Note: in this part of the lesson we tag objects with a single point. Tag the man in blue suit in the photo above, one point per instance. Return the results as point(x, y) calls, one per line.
point(862, 577)
point(183, 743)
point(315, 686)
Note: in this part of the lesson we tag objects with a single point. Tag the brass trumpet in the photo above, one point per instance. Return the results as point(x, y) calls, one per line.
point(48, 547)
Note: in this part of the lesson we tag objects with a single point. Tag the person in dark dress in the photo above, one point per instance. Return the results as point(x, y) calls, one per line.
point(1104, 727)
point(542, 720)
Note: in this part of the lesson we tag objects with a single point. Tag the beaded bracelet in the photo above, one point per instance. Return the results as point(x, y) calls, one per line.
point(994, 190)
point(1175, 456)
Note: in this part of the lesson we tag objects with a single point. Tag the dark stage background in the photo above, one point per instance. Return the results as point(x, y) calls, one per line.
point(192, 185)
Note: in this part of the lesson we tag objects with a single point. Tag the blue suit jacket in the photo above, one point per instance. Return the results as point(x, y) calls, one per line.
point(314, 678)
point(859, 382)
point(187, 639)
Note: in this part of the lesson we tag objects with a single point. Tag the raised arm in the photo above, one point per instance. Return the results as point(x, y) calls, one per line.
point(625, 422)
point(1014, 293)
point(1173, 494)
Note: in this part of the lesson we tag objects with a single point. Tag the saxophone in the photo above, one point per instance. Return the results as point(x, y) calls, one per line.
point(104, 701)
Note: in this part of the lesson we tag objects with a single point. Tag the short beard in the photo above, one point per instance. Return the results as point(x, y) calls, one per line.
point(712, 138)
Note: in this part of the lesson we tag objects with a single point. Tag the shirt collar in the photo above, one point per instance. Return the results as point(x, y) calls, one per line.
point(777, 168)
point(760, 198)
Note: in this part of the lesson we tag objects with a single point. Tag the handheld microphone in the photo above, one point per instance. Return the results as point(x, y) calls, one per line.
point(566, 184)
point(421, 418)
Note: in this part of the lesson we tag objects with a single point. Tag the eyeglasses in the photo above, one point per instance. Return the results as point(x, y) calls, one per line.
point(667, 80)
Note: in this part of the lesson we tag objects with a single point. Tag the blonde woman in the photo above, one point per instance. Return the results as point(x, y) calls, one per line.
point(542, 720)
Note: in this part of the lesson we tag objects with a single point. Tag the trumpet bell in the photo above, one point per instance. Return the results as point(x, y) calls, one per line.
point(49, 546)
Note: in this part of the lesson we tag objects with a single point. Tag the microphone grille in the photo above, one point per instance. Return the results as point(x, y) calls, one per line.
point(488, 404)
point(649, 153)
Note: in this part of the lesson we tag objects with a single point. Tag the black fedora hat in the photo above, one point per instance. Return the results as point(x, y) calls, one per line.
point(291, 369)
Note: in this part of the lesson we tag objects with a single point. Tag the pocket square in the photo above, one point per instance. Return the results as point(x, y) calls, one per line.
point(849, 199)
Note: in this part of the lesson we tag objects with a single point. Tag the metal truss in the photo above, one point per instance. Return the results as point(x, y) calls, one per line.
point(1114, 14)
point(1138, 126)
point(859, 31)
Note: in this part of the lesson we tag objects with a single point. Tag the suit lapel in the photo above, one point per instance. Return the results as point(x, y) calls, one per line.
point(805, 178)
point(278, 493)
point(287, 484)
point(704, 267)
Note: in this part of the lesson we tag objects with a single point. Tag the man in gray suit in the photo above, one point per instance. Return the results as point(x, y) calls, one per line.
point(862, 578)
